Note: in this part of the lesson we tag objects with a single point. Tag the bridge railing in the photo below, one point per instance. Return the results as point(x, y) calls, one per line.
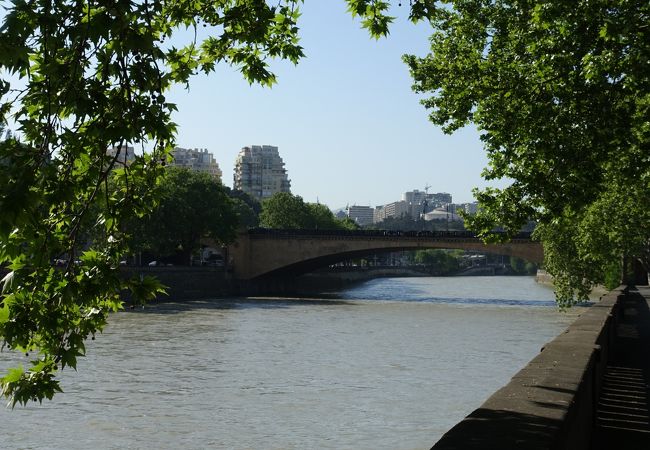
point(437, 234)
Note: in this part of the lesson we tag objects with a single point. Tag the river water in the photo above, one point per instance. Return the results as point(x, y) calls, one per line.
point(392, 364)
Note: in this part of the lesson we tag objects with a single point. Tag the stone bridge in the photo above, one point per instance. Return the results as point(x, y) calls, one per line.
point(262, 252)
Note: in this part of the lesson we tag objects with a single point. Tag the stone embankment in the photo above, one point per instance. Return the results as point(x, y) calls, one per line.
point(551, 403)
point(187, 283)
point(194, 283)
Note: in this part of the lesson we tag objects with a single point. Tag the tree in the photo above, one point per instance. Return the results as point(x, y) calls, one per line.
point(561, 94)
point(322, 218)
point(247, 207)
point(247, 216)
point(87, 76)
point(522, 267)
point(347, 223)
point(191, 205)
point(442, 262)
point(286, 211)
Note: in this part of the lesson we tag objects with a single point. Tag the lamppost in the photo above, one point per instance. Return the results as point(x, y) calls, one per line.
point(447, 217)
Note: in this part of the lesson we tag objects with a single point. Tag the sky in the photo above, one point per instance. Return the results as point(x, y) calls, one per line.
point(347, 124)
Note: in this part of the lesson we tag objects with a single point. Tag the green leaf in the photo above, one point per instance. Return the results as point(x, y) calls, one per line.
point(4, 313)
point(7, 281)
point(14, 374)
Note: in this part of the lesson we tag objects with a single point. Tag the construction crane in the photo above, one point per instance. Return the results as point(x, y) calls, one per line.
point(426, 188)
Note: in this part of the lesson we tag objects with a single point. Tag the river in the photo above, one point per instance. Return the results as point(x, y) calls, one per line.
point(392, 364)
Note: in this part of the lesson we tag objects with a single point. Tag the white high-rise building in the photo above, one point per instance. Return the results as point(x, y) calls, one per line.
point(439, 199)
point(124, 155)
point(395, 210)
point(362, 215)
point(414, 197)
point(470, 208)
point(423, 202)
point(260, 172)
point(196, 159)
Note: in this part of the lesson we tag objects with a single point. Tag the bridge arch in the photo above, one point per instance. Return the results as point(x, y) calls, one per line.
point(283, 252)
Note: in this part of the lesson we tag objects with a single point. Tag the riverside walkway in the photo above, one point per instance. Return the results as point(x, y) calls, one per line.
point(622, 418)
point(588, 388)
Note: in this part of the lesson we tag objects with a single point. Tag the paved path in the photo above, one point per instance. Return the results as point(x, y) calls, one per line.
point(623, 416)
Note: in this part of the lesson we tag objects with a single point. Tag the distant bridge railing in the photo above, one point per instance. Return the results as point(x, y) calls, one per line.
point(365, 234)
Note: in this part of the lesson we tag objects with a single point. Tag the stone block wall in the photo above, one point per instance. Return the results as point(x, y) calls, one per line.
point(550, 403)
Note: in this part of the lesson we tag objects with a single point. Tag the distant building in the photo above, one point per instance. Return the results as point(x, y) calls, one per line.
point(470, 208)
point(362, 215)
point(422, 202)
point(439, 199)
point(414, 197)
point(448, 214)
point(260, 172)
point(395, 209)
point(125, 154)
point(196, 159)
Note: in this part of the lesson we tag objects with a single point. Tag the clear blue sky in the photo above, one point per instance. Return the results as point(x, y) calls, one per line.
point(345, 119)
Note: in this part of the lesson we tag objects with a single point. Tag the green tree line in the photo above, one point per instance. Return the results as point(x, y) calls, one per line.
point(560, 92)
point(284, 210)
point(192, 206)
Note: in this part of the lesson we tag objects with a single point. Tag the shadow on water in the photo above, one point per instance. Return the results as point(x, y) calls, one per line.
point(171, 307)
point(488, 426)
point(332, 299)
point(476, 301)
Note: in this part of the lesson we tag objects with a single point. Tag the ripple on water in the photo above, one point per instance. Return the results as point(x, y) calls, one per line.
point(391, 365)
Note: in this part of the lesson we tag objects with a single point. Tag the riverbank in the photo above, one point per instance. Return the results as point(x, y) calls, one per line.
point(543, 277)
point(196, 283)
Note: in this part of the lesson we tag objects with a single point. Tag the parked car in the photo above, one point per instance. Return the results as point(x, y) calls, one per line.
point(214, 260)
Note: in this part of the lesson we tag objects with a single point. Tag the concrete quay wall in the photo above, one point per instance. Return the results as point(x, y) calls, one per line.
point(550, 403)
point(195, 283)
point(187, 283)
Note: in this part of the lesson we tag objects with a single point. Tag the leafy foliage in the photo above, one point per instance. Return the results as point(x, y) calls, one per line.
point(77, 79)
point(522, 267)
point(248, 208)
point(561, 94)
point(442, 262)
point(286, 211)
point(191, 205)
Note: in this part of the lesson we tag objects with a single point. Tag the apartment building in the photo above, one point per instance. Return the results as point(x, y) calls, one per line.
point(197, 159)
point(395, 209)
point(421, 202)
point(362, 215)
point(124, 154)
point(260, 172)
